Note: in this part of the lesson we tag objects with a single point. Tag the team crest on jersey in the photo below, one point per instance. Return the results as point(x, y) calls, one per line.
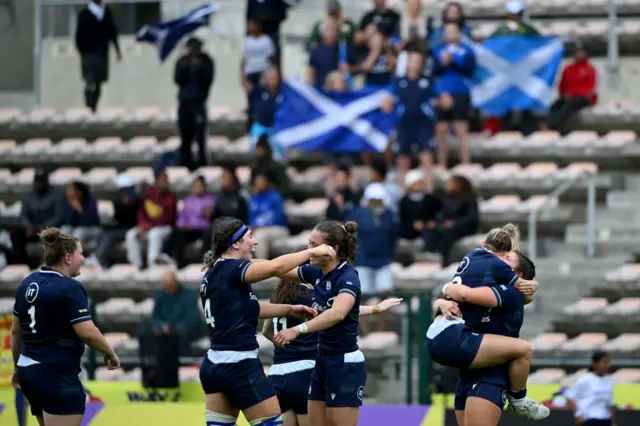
point(463, 265)
point(328, 285)
point(360, 393)
point(318, 281)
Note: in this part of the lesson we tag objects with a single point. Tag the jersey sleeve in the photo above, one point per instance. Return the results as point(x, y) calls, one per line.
point(239, 272)
point(349, 285)
point(578, 389)
point(509, 298)
point(503, 273)
point(309, 274)
point(76, 304)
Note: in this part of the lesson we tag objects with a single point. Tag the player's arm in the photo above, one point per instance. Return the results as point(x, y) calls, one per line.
point(275, 310)
point(338, 312)
point(258, 271)
point(481, 296)
point(381, 307)
point(267, 330)
point(89, 333)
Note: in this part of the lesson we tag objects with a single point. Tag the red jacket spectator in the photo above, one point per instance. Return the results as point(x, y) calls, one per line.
point(579, 80)
point(157, 208)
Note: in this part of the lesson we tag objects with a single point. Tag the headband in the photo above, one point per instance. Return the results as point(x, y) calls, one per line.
point(238, 235)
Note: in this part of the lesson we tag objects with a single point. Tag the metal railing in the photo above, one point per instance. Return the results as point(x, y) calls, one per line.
point(590, 177)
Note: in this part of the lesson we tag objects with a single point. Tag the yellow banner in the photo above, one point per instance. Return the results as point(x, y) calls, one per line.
point(6, 360)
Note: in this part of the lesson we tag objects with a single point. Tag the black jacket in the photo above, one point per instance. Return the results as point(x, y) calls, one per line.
point(351, 200)
point(93, 36)
point(194, 76)
point(231, 203)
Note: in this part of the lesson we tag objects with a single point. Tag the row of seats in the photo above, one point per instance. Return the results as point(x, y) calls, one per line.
point(558, 345)
point(598, 308)
point(626, 274)
point(552, 376)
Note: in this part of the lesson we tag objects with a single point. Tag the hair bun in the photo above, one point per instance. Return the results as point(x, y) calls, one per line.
point(514, 233)
point(351, 227)
point(50, 236)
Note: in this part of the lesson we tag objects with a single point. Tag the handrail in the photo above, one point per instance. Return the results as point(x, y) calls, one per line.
point(591, 212)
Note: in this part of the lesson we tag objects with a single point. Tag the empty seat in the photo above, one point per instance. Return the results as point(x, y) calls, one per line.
point(627, 345)
point(116, 339)
point(147, 113)
point(13, 274)
point(547, 376)
point(105, 147)
point(575, 169)
point(8, 115)
point(40, 115)
point(583, 345)
point(618, 138)
point(501, 172)
point(105, 210)
point(541, 139)
point(570, 379)
point(626, 375)
point(34, 147)
point(217, 143)
point(77, 115)
point(625, 273)
point(536, 202)
point(547, 343)
point(586, 307)
point(500, 204)
point(140, 145)
point(542, 170)
point(378, 341)
point(101, 177)
point(116, 309)
point(627, 308)
point(264, 344)
point(505, 139)
point(579, 139)
point(68, 149)
point(191, 274)
point(189, 374)
point(244, 175)
point(6, 146)
point(110, 114)
point(65, 176)
point(179, 177)
point(141, 175)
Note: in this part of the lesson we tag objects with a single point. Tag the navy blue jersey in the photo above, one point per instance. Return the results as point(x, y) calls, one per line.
point(343, 337)
point(477, 269)
point(414, 98)
point(47, 305)
point(230, 308)
point(305, 346)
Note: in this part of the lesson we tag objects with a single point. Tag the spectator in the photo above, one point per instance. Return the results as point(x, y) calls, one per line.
point(194, 75)
point(156, 217)
point(264, 163)
point(377, 236)
point(335, 82)
point(414, 129)
point(514, 23)
point(418, 209)
point(194, 222)
point(577, 90)
point(451, 14)
point(458, 218)
point(125, 209)
point(81, 216)
point(380, 63)
point(272, 13)
point(267, 218)
point(394, 192)
point(346, 27)
point(344, 199)
point(410, 26)
point(454, 63)
point(380, 19)
point(325, 56)
point(231, 202)
point(42, 208)
point(265, 100)
point(176, 311)
point(258, 54)
point(95, 29)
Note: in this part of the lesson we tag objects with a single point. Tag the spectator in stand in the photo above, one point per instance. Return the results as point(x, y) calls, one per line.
point(346, 27)
point(176, 311)
point(452, 13)
point(577, 90)
point(394, 192)
point(380, 19)
point(380, 63)
point(156, 218)
point(231, 201)
point(81, 216)
point(326, 56)
point(264, 163)
point(344, 199)
point(272, 13)
point(267, 217)
point(418, 209)
point(265, 99)
point(258, 54)
point(514, 23)
point(125, 209)
point(194, 76)
point(414, 129)
point(42, 208)
point(413, 34)
point(95, 29)
point(194, 222)
point(453, 65)
point(377, 236)
point(458, 218)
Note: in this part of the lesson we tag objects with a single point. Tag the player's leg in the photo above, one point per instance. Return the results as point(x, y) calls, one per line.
point(290, 418)
point(460, 400)
point(57, 420)
point(317, 413)
point(345, 379)
point(481, 412)
point(303, 419)
point(251, 391)
point(218, 409)
point(343, 416)
point(133, 247)
point(316, 405)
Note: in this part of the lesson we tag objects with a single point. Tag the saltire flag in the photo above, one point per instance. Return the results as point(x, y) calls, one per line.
point(166, 35)
point(310, 120)
point(515, 73)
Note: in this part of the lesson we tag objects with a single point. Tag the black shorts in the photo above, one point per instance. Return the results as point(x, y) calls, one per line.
point(293, 390)
point(461, 110)
point(52, 389)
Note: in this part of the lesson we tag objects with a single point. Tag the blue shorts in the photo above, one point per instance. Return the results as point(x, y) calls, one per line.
point(243, 383)
point(455, 346)
point(414, 136)
point(292, 390)
point(52, 389)
point(339, 380)
point(492, 393)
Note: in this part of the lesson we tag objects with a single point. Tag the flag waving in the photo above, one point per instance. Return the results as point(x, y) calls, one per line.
point(166, 35)
point(515, 73)
point(310, 120)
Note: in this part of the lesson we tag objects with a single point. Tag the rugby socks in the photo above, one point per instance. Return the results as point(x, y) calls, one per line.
point(271, 421)
point(517, 398)
point(216, 419)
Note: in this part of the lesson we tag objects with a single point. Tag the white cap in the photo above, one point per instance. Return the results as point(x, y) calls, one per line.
point(515, 6)
point(124, 181)
point(412, 177)
point(375, 191)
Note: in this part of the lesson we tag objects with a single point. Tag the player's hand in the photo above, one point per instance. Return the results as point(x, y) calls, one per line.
point(284, 337)
point(14, 380)
point(389, 303)
point(450, 309)
point(528, 288)
point(111, 361)
point(302, 312)
point(323, 250)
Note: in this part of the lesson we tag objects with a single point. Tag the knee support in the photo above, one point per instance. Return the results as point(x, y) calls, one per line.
point(216, 419)
point(271, 421)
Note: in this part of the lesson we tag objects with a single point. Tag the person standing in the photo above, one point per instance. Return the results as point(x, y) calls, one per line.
point(591, 397)
point(95, 30)
point(194, 75)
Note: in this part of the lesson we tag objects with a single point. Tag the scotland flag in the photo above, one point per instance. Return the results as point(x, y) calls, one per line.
point(515, 73)
point(310, 120)
point(166, 35)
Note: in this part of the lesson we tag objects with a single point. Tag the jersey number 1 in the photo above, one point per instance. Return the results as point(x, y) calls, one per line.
point(283, 324)
point(207, 314)
point(32, 314)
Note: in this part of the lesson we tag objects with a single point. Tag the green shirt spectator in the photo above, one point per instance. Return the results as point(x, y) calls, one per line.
point(514, 23)
point(346, 27)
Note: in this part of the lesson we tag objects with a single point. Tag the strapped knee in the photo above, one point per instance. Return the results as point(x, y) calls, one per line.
point(216, 419)
point(271, 421)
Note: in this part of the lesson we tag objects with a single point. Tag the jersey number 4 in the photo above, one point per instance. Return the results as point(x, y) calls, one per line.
point(32, 314)
point(207, 314)
point(279, 321)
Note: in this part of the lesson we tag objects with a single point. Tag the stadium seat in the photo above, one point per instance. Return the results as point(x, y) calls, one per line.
point(579, 139)
point(547, 344)
point(627, 309)
point(141, 175)
point(101, 178)
point(7, 146)
point(625, 346)
point(40, 115)
point(500, 204)
point(116, 309)
point(179, 178)
point(583, 345)
point(570, 379)
point(501, 174)
point(265, 345)
point(110, 114)
point(626, 375)
point(189, 374)
point(415, 276)
point(6, 305)
point(629, 273)
point(244, 175)
point(586, 307)
point(140, 147)
point(8, 115)
point(12, 274)
point(64, 176)
point(106, 148)
point(77, 115)
point(617, 139)
point(32, 151)
point(378, 341)
point(546, 376)
point(147, 114)
point(217, 143)
point(113, 277)
point(191, 275)
point(68, 150)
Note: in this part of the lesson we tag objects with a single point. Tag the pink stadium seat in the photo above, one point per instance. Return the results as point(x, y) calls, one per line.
point(572, 378)
point(536, 201)
point(35, 147)
point(8, 115)
point(6, 146)
point(547, 376)
point(141, 174)
point(265, 344)
point(105, 146)
point(105, 210)
point(628, 307)
point(145, 308)
point(484, 30)
point(147, 113)
point(140, 144)
point(625, 273)
point(502, 171)
point(541, 170)
point(119, 272)
point(316, 174)
point(14, 273)
point(212, 175)
point(217, 143)
point(103, 374)
point(221, 112)
point(575, 169)
point(244, 175)
point(626, 345)
point(101, 177)
point(626, 375)
point(360, 175)
point(65, 176)
point(579, 139)
point(116, 339)
point(239, 146)
point(5, 174)
point(500, 204)
point(505, 139)
point(378, 341)
point(41, 115)
point(541, 139)
point(24, 177)
point(170, 144)
point(110, 114)
point(584, 344)
point(470, 171)
point(68, 148)
point(548, 342)
point(189, 374)
point(12, 211)
point(77, 115)
point(179, 177)
point(618, 138)
point(585, 307)
point(191, 274)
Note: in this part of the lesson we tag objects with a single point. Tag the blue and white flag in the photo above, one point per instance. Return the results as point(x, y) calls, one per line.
point(166, 35)
point(310, 120)
point(515, 73)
